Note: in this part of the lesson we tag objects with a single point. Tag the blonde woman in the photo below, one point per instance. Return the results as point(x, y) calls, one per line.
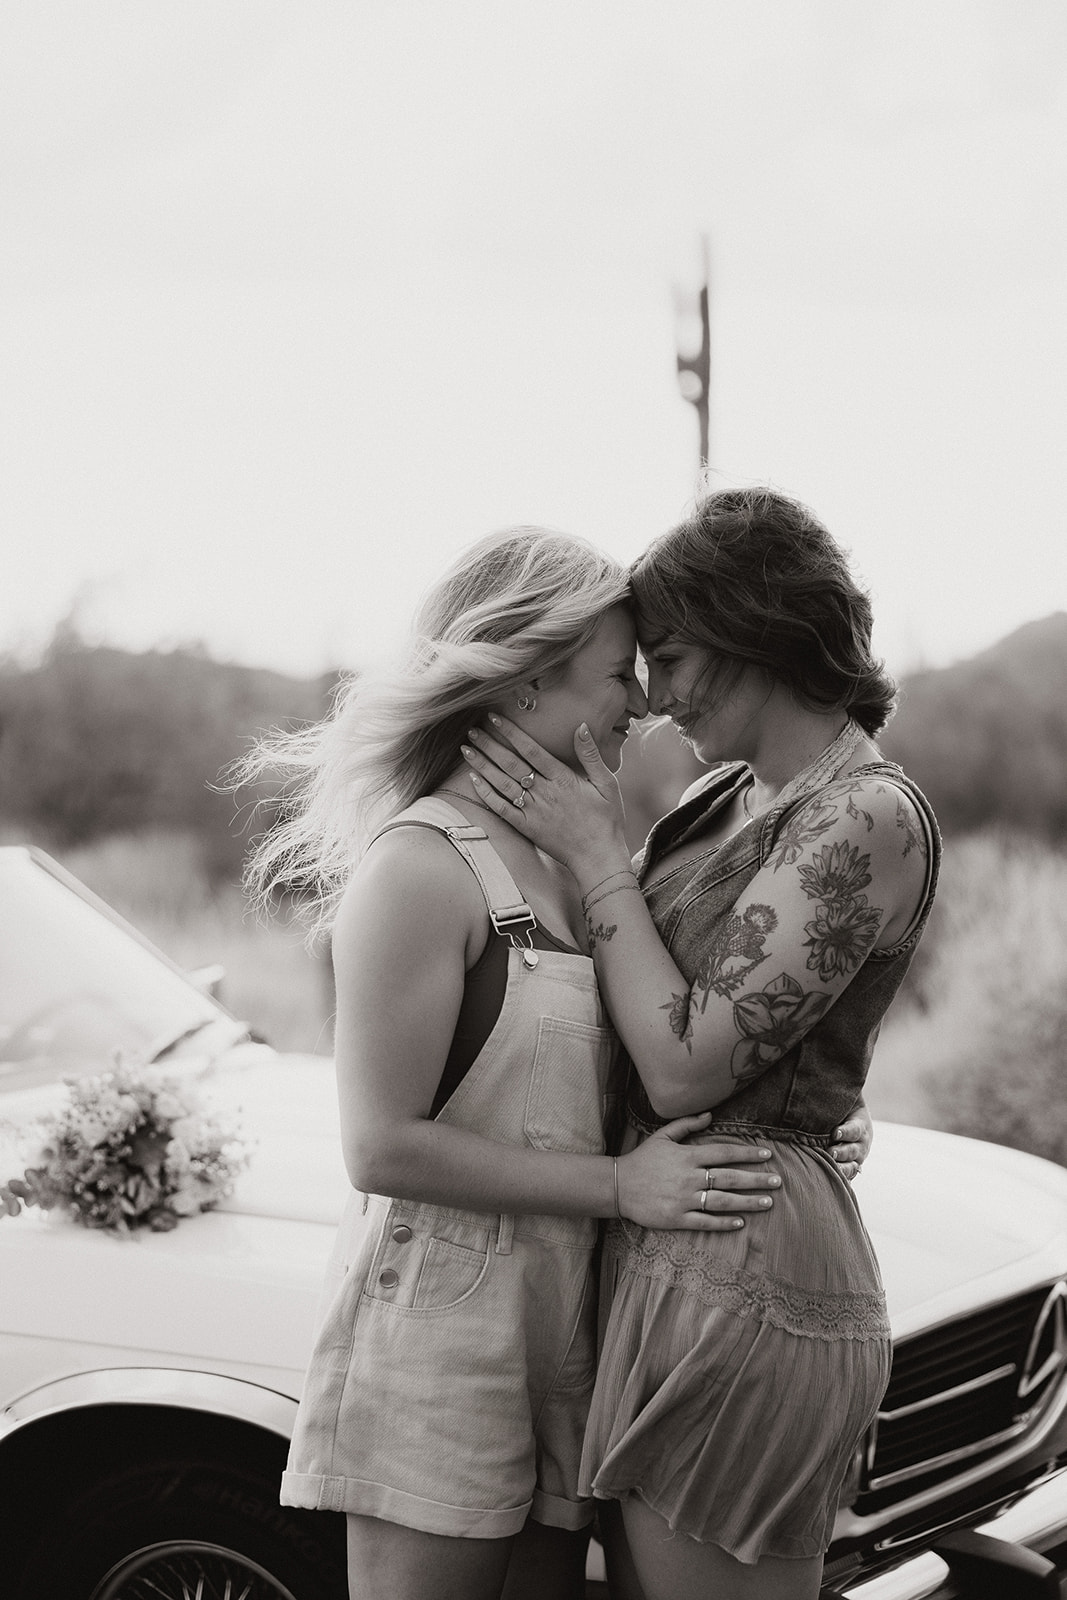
point(447, 1395)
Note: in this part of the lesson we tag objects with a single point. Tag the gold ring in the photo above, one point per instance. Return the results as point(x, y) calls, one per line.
point(528, 781)
point(521, 801)
point(703, 1199)
point(709, 1181)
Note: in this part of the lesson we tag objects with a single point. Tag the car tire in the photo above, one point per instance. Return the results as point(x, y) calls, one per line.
point(131, 1531)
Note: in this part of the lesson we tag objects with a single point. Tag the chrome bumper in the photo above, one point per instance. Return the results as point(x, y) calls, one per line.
point(1036, 1521)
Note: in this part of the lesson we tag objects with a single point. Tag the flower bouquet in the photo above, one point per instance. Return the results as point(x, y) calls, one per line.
point(128, 1150)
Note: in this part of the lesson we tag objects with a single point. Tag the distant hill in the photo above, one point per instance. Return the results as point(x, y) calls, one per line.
point(986, 738)
point(97, 741)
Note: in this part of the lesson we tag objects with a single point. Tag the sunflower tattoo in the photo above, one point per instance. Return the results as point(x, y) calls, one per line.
point(845, 924)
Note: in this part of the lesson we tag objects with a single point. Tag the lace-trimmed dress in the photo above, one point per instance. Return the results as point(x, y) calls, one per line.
point(739, 1370)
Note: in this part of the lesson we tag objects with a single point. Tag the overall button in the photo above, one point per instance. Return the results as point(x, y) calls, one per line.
point(389, 1279)
point(402, 1233)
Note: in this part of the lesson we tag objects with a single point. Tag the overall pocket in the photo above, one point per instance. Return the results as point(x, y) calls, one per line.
point(427, 1264)
point(566, 1103)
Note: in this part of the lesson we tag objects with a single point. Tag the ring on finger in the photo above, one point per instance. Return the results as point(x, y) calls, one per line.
point(709, 1178)
point(520, 799)
point(527, 782)
point(703, 1199)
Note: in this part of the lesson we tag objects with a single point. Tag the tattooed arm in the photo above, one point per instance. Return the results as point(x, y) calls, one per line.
point(848, 874)
point(843, 879)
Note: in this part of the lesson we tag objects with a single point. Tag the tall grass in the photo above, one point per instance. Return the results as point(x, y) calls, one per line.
point(158, 881)
point(978, 1043)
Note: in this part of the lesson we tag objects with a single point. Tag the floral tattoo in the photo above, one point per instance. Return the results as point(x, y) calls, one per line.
point(800, 830)
point(845, 924)
point(770, 1022)
point(843, 928)
point(914, 838)
point(736, 946)
point(601, 934)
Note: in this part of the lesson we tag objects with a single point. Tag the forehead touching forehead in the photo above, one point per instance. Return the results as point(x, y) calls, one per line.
point(616, 634)
point(652, 635)
point(654, 628)
point(614, 642)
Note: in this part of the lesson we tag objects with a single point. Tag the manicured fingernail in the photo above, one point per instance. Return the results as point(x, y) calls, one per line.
point(466, 750)
point(774, 1181)
point(583, 730)
point(763, 1152)
point(473, 733)
point(765, 1200)
point(737, 1222)
point(494, 719)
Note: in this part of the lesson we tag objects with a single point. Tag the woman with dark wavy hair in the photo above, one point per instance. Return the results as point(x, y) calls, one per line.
point(747, 960)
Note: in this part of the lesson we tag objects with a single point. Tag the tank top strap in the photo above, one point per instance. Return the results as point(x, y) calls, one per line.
point(508, 911)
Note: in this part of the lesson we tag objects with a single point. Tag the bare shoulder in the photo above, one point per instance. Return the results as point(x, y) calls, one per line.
point(863, 830)
point(868, 806)
point(411, 886)
point(875, 804)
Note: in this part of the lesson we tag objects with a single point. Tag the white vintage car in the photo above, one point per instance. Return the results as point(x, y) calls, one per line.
point(148, 1385)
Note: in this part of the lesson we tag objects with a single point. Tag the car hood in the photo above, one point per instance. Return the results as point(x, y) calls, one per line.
point(288, 1106)
point(957, 1222)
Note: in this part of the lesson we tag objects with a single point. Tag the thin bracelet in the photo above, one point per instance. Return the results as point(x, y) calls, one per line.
point(587, 905)
point(623, 872)
point(615, 1175)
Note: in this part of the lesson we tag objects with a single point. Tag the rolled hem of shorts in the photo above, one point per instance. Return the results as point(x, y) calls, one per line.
point(555, 1512)
point(362, 1497)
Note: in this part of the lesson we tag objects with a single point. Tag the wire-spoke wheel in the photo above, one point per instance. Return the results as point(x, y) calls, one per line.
point(187, 1569)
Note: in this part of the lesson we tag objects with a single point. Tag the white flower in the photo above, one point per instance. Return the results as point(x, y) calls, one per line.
point(128, 1111)
point(169, 1106)
point(178, 1157)
point(92, 1130)
point(188, 1131)
point(185, 1201)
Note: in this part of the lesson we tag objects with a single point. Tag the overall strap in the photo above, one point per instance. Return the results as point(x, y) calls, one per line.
point(508, 911)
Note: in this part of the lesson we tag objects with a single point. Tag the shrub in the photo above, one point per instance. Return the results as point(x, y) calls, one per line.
point(982, 1035)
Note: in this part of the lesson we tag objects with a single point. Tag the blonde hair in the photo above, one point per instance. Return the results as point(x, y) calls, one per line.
point(513, 606)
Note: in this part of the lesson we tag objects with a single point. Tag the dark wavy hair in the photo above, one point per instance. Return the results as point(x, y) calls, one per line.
point(754, 578)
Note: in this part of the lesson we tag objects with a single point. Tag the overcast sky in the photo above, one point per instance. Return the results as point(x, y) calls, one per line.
point(298, 299)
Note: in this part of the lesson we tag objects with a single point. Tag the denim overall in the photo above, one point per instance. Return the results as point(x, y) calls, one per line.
point(451, 1377)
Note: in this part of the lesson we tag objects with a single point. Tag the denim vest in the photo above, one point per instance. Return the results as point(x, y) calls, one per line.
point(815, 1086)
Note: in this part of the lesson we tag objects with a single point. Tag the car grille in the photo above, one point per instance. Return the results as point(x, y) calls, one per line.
point(963, 1391)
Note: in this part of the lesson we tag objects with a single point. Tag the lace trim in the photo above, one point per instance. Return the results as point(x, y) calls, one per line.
point(810, 1314)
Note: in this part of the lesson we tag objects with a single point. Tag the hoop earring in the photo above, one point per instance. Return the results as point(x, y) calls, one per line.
point(524, 703)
